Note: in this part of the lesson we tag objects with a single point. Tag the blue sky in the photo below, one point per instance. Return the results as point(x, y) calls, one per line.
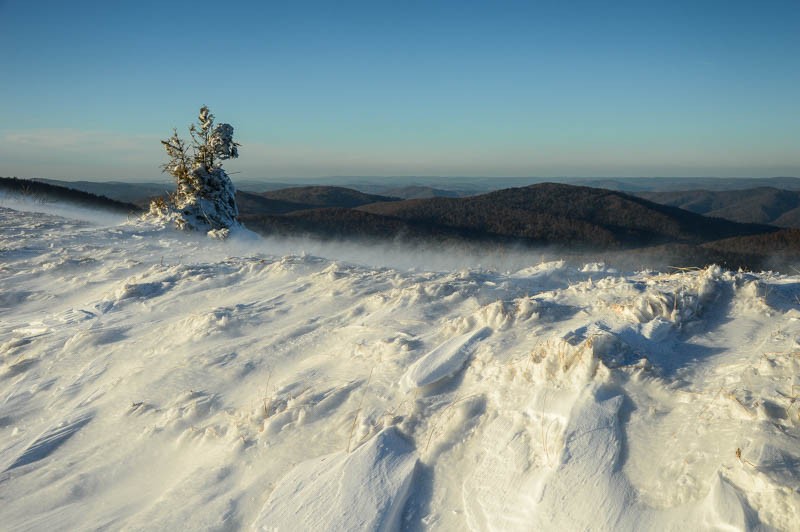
point(379, 88)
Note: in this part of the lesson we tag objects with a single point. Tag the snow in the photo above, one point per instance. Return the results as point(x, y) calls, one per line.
point(364, 490)
point(444, 361)
point(151, 378)
point(206, 201)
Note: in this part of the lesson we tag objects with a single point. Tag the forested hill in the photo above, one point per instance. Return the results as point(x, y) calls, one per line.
point(572, 219)
point(39, 191)
point(766, 205)
point(556, 213)
point(325, 196)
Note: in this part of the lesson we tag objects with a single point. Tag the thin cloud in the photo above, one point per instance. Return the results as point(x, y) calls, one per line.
point(79, 154)
point(78, 141)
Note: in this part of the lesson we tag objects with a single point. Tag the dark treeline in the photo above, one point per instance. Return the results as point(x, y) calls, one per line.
point(46, 193)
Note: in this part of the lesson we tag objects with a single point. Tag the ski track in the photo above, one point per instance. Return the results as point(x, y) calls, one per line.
point(150, 378)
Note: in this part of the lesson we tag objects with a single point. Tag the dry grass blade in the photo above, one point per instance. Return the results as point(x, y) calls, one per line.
point(358, 411)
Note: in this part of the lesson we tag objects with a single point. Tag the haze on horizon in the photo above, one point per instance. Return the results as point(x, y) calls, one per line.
point(406, 88)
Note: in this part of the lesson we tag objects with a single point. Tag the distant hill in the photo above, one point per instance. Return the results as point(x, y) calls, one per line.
point(293, 199)
point(569, 220)
point(250, 203)
point(421, 192)
point(785, 241)
point(673, 184)
point(467, 186)
point(766, 205)
point(326, 196)
point(566, 214)
point(426, 187)
point(138, 193)
point(46, 192)
point(281, 201)
point(620, 184)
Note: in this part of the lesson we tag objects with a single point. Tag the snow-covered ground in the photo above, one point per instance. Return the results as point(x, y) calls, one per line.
point(151, 379)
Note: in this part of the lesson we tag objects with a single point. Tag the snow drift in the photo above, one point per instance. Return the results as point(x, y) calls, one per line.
point(153, 378)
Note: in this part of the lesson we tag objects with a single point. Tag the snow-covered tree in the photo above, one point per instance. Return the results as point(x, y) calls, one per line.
point(204, 199)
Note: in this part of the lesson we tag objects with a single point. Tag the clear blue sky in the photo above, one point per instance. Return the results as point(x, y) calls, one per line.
point(406, 87)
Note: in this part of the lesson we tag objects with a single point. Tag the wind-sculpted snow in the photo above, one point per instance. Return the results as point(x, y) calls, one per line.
point(154, 379)
point(363, 490)
point(444, 361)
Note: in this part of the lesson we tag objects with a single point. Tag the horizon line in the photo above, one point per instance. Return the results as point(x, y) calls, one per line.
point(438, 177)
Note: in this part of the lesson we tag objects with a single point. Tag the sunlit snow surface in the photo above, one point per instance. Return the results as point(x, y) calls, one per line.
point(156, 380)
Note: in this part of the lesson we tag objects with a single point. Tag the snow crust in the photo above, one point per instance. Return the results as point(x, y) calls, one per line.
point(157, 379)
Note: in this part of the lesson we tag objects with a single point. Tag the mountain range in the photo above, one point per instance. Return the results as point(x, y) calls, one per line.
point(738, 228)
point(765, 205)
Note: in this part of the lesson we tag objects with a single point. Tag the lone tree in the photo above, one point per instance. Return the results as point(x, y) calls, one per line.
point(204, 199)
